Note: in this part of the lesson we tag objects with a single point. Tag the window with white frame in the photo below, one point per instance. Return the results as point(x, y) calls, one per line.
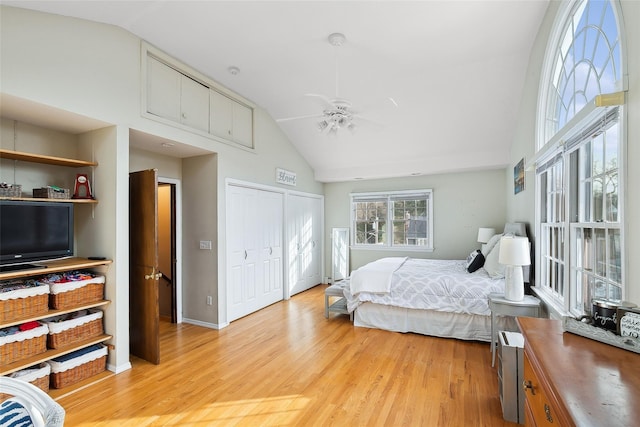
point(396, 219)
point(580, 158)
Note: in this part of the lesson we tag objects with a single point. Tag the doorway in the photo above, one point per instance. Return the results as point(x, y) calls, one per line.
point(170, 289)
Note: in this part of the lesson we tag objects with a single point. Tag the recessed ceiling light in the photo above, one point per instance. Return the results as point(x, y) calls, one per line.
point(167, 144)
point(358, 178)
point(234, 70)
point(416, 174)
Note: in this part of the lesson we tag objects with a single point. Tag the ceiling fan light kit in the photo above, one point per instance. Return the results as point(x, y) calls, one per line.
point(338, 112)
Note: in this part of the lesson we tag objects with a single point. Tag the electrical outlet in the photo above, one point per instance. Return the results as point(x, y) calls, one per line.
point(209, 300)
point(205, 244)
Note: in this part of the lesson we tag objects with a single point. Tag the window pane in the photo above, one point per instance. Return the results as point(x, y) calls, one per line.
point(598, 154)
point(597, 200)
point(615, 257)
point(600, 253)
point(600, 289)
point(612, 197)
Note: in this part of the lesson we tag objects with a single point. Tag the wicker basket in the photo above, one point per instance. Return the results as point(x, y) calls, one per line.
point(51, 193)
point(23, 303)
point(72, 294)
point(65, 330)
point(11, 190)
point(78, 366)
point(37, 375)
point(23, 345)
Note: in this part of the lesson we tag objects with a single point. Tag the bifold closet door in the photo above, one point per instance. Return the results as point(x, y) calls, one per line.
point(254, 242)
point(304, 237)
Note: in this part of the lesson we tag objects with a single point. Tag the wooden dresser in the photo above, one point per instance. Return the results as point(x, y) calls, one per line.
point(575, 381)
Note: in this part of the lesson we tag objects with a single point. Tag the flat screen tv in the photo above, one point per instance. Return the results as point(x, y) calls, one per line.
point(34, 231)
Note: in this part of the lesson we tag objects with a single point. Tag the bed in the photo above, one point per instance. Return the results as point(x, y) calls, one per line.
point(431, 297)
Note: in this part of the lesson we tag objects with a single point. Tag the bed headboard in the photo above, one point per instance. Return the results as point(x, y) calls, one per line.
point(519, 229)
point(515, 228)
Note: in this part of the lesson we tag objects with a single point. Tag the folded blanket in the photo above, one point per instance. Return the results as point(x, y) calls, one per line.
point(375, 277)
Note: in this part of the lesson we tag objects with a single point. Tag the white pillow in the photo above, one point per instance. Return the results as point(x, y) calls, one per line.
point(486, 248)
point(491, 264)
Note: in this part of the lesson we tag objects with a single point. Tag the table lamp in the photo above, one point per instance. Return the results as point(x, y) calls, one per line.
point(514, 253)
point(484, 235)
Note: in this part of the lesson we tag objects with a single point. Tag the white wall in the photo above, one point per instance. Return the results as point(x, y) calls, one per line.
point(521, 206)
point(66, 65)
point(462, 202)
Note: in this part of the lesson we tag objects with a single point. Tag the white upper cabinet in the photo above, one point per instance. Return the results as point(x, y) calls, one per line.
point(221, 119)
point(174, 96)
point(243, 125)
point(177, 94)
point(163, 90)
point(231, 120)
point(194, 104)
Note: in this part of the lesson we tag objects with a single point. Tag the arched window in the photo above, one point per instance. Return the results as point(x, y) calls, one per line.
point(580, 158)
point(585, 61)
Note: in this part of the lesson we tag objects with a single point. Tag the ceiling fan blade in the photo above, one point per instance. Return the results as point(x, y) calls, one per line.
point(308, 116)
point(326, 102)
point(361, 118)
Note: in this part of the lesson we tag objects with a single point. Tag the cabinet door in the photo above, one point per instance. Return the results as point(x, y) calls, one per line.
point(194, 104)
point(242, 125)
point(163, 90)
point(221, 119)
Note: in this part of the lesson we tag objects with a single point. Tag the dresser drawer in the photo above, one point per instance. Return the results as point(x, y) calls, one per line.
point(539, 409)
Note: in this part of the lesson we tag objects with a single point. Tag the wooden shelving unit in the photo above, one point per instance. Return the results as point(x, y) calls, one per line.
point(46, 267)
point(50, 354)
point(47, 160)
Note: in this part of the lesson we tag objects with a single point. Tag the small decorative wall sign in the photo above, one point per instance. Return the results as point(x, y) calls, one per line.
point(518, 177)
point(285, 177)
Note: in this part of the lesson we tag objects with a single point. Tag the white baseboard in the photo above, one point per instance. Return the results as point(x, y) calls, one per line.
point(205, 324)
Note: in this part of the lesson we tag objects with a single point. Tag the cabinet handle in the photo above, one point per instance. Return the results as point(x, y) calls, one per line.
point(527, 385)
point(245, 254)
point(270, 250)
point(184, 116)
point(547, 412)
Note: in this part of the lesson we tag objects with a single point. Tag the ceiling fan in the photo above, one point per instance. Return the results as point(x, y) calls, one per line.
point(337, 112)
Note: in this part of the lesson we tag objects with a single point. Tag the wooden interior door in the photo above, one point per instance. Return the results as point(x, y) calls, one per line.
point(144, 312)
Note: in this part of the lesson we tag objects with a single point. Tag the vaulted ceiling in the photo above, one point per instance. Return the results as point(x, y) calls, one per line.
point(439, 82)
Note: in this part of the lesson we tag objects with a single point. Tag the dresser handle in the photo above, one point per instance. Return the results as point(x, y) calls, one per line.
point(527, 385)
point(547, 412)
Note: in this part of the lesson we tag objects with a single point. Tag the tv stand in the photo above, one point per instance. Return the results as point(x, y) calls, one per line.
point(19, 267)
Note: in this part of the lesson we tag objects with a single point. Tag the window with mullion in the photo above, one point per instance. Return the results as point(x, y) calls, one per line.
point(578, 194)
point(397, 219)
point(596, 237)
point(552, 228)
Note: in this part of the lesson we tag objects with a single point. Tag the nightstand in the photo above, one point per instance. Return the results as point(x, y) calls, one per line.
point(500, 306)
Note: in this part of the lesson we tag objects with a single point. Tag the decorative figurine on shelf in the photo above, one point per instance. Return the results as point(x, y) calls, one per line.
point(82, 189)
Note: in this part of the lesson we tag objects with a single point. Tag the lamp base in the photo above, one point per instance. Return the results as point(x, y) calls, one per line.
point(513, 283)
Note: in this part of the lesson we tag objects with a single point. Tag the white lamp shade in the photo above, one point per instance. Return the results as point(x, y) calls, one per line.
point(514, 250)
point(485, 234)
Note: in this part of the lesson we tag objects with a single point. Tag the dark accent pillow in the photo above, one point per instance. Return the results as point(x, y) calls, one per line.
point(475, 260)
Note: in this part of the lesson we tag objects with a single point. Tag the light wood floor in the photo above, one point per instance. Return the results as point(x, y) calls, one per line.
point(287, 365)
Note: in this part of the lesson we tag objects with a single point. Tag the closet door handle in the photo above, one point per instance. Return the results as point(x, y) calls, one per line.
point(245, 254)
point(270, 250)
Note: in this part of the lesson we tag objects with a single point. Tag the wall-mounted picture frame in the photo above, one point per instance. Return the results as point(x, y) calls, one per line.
point(518, 177)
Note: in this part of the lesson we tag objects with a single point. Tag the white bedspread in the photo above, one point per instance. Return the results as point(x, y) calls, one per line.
point(375, 277)
point(442, 285)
